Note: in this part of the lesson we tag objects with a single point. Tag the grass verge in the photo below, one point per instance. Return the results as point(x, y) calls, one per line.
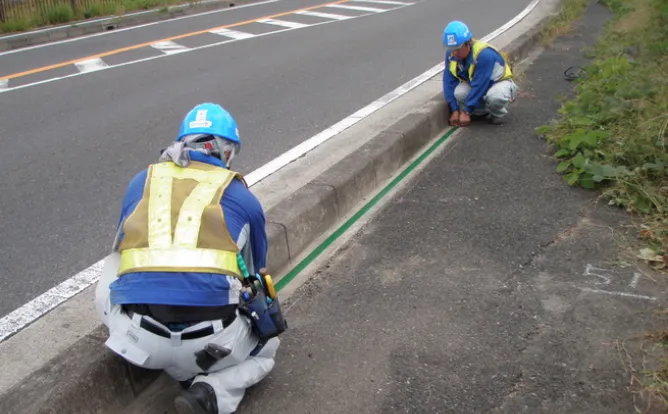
point(611, 137)
point(562, 23)
point(50, 13)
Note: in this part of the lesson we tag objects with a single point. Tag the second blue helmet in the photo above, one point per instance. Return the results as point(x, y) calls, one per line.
point(456, 33)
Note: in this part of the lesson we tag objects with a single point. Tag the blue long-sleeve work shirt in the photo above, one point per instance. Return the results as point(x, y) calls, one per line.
point(245, 221)
point(483, 78)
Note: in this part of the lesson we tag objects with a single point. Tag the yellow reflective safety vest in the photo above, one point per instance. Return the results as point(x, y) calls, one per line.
point(477, 47)
point(178, 225)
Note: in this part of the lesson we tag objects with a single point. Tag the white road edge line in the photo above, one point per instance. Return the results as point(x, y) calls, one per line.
point(26, 314)
point(76, 39)
point(298, 151)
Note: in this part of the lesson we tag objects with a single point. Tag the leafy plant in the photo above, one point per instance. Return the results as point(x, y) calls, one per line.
point(612, 135)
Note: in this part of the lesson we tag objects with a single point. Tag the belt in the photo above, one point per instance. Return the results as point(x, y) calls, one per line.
point(160, 331)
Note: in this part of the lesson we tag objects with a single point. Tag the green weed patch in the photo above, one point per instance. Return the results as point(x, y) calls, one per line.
point(40, 13)
point(612, 135)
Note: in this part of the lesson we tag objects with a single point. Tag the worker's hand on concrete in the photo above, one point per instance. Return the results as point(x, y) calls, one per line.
point(464, 119)
point(454, 118)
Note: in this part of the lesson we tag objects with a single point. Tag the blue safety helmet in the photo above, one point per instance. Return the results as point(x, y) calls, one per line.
point(211, 129)
point(210, 119)
point(455, 35)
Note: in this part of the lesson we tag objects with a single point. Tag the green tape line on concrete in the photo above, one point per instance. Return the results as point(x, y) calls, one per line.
point(361, 212)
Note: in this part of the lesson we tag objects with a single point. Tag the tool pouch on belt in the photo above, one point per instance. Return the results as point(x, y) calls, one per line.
point(267, 318)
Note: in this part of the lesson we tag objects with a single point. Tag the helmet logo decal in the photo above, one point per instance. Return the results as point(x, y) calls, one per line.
point(451, 40)
point(200, 120)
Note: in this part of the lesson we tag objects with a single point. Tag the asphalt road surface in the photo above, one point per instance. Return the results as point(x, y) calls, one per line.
point(484, 285)
point(70, 146)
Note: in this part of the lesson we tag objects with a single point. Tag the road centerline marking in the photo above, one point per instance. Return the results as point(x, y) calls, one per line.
point(130, 28)
point(171, 38)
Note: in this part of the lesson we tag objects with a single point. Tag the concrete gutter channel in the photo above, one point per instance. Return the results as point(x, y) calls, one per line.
point(99, 25)
point(85, 377)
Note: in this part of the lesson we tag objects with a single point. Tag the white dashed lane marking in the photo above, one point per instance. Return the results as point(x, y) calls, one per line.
point(233, 34)
point(283, 23)
point(324, 15)
point(169, 47)
point(358, 8)
point(90, 65)
point(396, 3)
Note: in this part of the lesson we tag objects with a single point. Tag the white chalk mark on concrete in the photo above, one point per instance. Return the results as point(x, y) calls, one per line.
point(634, 281)
point(624, 294)
point(591, 271)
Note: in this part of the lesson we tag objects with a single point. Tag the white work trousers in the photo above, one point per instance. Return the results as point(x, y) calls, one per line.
point(229, 377)
point(496, 99)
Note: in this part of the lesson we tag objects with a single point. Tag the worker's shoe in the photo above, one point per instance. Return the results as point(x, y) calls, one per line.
point(478, 117)
point(495, 120)
point(186, 384)
point(200, 398)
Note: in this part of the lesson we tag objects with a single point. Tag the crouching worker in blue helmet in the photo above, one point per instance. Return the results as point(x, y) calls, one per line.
point(174, 291)
point(477, 79)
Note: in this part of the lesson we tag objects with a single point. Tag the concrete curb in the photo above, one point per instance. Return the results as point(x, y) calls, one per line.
point(316, 207)
point(308, 213)
point(86, 27)
point(88, 378)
